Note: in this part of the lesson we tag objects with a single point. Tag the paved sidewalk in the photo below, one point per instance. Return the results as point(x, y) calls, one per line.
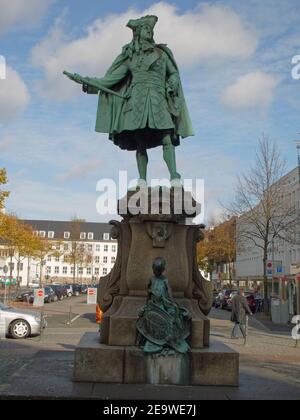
point(43, 368)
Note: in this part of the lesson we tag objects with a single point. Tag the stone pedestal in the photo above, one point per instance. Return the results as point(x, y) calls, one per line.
point(142, 236)
point(96, 362)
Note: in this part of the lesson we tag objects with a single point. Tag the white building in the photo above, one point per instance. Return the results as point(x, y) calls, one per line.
point(94, 238)
point(249, 261)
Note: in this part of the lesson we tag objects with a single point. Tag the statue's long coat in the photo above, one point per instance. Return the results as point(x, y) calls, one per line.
point(150, 110)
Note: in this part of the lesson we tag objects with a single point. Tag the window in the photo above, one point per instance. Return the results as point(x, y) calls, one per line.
point(57, 259)
point(97, 248)
point(49, 258)
point(114, 248)
point(97, 271)
point(12, 265)
point(113, 260)
point(82, 235)
point(66, 247)
point(42, 234)
point(50, 234)
point(65, 270)
point(82, 247)
point(66, 235)
point(90, 248)
point(90, 235)
point(106, 236)
point(72, 270)
point(56, 270)
point(48, 270)
point(89, 271)
point(97, 260)
point(105, 260)
point(80, 270)
point(104, 271)
point(105, 248)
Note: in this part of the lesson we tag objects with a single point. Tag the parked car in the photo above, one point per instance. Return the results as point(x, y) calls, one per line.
point(215, 298)
point(76, 288)
point(222, 298)
point(69, 289)
point(20, 323)
point(84, 288)
point(23, 295)
point(60, 291)
point(250, 299)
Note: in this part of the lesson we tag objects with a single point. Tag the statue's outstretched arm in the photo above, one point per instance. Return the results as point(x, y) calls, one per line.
point(109, 80)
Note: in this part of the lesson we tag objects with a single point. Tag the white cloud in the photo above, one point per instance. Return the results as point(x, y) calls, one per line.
point(80, 170)
point(14, 95)
point(254, 89)
point(209, 32)
point(21, 12)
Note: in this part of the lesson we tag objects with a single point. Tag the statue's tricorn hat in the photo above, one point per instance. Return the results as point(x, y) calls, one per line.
point(145, 20)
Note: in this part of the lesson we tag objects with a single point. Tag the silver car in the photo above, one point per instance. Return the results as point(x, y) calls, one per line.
point(18, 323)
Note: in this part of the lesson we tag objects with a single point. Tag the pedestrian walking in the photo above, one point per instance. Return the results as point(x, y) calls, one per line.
point(240, 309)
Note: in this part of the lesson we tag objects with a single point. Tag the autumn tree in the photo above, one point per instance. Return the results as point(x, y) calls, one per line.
point(218, 246)
point(3, 181)
point(10, 235)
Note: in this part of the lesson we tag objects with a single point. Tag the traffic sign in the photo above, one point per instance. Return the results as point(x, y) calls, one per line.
point(39, 296)
point(92, 295)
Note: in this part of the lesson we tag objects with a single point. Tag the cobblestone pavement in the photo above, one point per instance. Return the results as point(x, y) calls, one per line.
point(43, 366)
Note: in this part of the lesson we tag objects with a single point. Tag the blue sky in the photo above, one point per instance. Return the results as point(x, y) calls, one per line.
point(235, 62)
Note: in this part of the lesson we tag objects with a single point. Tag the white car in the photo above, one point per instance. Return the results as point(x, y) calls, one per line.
point(19, 323)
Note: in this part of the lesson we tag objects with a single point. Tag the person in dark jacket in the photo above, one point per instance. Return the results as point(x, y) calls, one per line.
point(240, 308)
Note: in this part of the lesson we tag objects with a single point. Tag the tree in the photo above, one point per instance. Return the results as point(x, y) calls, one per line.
point(218, 246)
point(3, 181)
point(24, 245)
point(265, 212)
point(77, 255)
point(10, 235)
point(42, 248)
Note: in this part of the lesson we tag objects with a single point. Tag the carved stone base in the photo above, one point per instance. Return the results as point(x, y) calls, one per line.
point(118, 326)
point(95, 362)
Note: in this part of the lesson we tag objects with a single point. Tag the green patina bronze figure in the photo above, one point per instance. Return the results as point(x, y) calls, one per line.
point(141, 102)
point(163, 326)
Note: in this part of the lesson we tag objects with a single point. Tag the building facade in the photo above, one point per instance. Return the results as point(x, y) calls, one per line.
point(92, 239)
point(249, 259)
point(283, 266)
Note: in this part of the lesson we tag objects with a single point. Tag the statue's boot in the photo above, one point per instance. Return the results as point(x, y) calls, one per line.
point(170, 159)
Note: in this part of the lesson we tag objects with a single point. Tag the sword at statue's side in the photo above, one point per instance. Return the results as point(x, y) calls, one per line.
point(91, 82)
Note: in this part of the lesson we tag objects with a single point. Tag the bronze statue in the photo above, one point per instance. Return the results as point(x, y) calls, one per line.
point(141, 102)
point(163, 325)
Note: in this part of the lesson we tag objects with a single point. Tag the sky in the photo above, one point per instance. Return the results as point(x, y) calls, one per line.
point(235, 61)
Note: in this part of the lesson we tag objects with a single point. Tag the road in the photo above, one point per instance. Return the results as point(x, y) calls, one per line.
point(43, 366)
